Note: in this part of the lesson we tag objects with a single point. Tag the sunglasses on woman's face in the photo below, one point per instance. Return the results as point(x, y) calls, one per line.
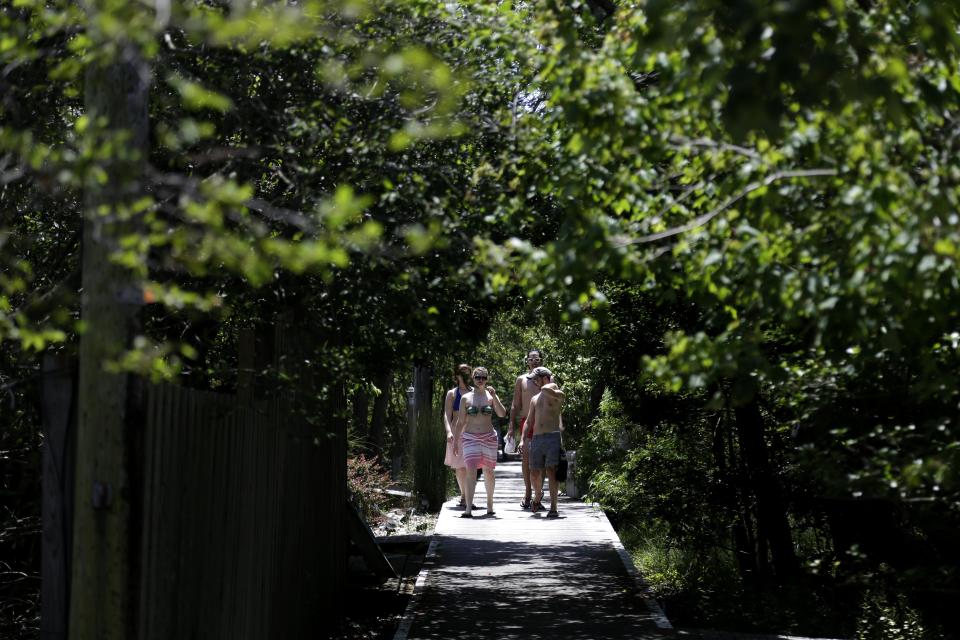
point(479, 377)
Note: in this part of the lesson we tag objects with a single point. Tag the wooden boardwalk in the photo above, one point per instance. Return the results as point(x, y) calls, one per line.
point(520, 575)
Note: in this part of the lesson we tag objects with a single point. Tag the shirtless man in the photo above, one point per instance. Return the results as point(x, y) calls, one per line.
point(546, 422)
point(523, 390)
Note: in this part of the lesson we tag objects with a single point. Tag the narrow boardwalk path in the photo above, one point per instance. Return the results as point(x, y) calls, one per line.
point(520, 575)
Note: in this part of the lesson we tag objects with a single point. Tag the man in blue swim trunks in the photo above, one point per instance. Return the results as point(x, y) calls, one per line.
point(547, 423)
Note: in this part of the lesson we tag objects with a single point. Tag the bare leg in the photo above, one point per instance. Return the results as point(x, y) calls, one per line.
point(489, 482)
point(469, 487)
point(525, 469)
point(554, 487)
point(461, 473)
point(536, 476)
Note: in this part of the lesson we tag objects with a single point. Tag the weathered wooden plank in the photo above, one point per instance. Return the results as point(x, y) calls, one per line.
point(363, 537)
point(180, 428)
point(249, 515)
point(150, 487)
point(275, 540)
point(263, 560)
point(57, 398)
point(228, 562)
point(162, 613)
point(240, 507)
point(213, 538)
point(265, 469)
point(189, 553)
point(224, 568)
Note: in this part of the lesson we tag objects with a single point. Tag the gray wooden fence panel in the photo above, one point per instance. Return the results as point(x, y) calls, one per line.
point(243, 518)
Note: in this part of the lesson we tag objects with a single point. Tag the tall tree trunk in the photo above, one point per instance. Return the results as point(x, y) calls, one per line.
point(423, 396)
point(427, 442)
point(723, 456)
point(773, 527)
point(596, 395)
point(380, 405)
point(105, 533)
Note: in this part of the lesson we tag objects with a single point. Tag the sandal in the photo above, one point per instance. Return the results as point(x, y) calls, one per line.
point(552, 514)
point(535, 506)
point(524, 504)
point(466, 515)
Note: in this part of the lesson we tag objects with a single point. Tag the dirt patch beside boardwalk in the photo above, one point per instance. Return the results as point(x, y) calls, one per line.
point(374, 605)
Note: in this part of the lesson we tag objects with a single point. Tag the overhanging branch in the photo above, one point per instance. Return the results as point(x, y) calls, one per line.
point(726, 204)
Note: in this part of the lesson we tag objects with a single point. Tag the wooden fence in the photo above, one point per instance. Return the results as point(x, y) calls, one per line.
point(243, 528)
point(241, 522)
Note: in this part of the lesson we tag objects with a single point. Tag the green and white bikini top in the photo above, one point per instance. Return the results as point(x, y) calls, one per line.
point(486, 410)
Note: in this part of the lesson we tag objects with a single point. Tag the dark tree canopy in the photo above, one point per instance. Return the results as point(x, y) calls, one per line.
point(736, 219)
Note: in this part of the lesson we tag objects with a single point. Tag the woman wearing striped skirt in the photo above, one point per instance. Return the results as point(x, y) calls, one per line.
point(476, 438)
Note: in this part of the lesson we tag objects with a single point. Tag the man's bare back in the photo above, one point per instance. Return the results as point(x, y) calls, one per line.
point(546, 409)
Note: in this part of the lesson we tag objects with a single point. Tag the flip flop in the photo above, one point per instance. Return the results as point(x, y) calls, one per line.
point(552, 514)
point(535, 506)
point(466, 515)
point(525, 504)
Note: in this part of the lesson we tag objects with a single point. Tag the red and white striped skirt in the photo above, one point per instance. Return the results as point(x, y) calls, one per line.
point(480, 449)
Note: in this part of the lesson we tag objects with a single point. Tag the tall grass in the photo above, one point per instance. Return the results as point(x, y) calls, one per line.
point(430, 475)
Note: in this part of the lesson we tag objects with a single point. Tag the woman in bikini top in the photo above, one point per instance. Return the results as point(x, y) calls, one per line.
point(477, 439)
point(486, 410)
point(477, 406)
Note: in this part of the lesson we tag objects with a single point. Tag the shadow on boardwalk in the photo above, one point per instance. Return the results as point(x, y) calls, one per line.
point(520, 575)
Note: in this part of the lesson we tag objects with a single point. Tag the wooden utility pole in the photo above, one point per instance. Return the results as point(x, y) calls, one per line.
point(105, 532)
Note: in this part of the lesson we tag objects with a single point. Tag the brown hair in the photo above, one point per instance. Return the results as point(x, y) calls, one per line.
point(462, 370)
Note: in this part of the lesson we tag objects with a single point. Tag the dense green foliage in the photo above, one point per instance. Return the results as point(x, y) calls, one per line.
point(765, 195)
point(734, 220)
point(304, 161)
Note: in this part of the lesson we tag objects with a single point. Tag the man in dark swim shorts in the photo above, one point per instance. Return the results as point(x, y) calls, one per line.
point(546, 423)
